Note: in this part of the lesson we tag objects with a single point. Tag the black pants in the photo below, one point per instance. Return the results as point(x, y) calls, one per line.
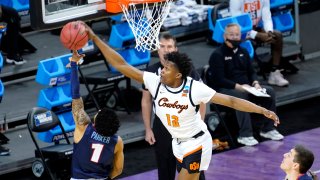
point(12, 18)
point(166, 161)
point(244, 118)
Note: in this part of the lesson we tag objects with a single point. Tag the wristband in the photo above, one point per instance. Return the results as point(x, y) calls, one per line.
point(73, 63)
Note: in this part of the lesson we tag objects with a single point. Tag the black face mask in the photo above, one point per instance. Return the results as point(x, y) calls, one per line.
point(235, 43)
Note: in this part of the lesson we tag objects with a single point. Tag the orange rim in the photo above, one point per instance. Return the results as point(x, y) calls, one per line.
point(126, 2)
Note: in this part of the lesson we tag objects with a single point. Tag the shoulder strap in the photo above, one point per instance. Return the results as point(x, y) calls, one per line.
point(155, 97)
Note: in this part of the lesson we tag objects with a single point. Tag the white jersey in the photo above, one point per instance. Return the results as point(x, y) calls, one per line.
point(258, 9)
point(177, 108)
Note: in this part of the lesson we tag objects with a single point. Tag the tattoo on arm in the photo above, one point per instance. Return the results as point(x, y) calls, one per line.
point(79, 115)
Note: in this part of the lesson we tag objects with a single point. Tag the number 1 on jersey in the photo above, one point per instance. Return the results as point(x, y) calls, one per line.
point(173, 120)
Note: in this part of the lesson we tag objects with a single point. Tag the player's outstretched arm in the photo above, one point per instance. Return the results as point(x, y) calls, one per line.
point(80, 117)
point(114, 58)
point(243, 105)
point(118, 159)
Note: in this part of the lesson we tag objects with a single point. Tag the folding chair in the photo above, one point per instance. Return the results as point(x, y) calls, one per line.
point(56, 158)
point(104, 82)
point(213, 119)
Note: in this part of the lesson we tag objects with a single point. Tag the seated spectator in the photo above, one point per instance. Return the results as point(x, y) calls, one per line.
point(230, 70)
point(11, 17)
point(297, 162)
point(260, 10)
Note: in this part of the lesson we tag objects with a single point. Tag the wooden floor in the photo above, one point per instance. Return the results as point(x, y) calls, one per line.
point(259, 162)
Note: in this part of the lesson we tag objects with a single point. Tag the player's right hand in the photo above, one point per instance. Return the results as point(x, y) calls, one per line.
point(150, 137)
point(90, 32)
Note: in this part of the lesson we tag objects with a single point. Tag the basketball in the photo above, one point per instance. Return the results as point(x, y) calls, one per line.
point(73, 35)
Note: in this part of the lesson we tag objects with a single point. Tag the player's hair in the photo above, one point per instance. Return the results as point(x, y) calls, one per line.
point(304, 158)
point(182, 62)
point(106, 122)
point(168, 36)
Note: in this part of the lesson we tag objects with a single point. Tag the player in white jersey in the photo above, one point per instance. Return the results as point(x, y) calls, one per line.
point(176, 99)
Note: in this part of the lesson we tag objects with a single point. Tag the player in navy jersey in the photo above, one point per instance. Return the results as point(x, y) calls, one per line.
point(98, 151)
point(176, 100)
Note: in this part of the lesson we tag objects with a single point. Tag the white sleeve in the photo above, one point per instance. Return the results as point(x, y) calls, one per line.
point(266, 16)
point(235, 7)
point(201, 93)
point(151, 81)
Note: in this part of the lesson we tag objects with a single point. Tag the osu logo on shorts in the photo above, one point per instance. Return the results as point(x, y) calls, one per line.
point(194, 166)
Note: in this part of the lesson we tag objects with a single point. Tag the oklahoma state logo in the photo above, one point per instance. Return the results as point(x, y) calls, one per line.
point(194, 166)
point(163, 102)
point(250, 7)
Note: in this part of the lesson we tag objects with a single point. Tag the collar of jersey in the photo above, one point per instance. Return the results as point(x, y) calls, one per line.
point(178, 89)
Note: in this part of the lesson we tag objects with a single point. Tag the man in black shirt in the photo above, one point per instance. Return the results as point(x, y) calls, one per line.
point(12, 18)
point(159, 135)
point(230, 71)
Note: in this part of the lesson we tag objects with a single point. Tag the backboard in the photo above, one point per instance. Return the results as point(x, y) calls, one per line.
point(50, 14)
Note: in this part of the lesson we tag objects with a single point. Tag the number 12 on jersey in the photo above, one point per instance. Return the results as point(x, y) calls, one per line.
point(173, 120)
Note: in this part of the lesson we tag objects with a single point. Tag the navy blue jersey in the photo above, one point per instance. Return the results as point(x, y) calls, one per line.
point(93, 155)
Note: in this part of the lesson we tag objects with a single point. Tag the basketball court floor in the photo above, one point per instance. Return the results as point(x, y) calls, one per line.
point(252, 163)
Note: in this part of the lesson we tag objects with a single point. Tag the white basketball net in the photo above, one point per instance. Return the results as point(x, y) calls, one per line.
point(146, 22)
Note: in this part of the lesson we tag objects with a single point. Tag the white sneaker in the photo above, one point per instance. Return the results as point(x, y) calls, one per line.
point(273, 134)
point(17, 60)
point(248, 141)
point(276, 78)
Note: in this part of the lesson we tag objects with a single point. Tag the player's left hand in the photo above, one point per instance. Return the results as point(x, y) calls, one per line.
point(76, 57)
point(271, 115)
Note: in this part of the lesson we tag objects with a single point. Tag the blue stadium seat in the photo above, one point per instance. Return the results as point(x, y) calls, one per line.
point(283, 23)
point(53, 71)
point(133, 57)
point(1, 90)
point(248, 46)
point(278, 3)
point(57, 98)
point(19, 5)
point(120, 33)
point(1, 61)
point(218, 11)
point(55, 134)
point(243, 20)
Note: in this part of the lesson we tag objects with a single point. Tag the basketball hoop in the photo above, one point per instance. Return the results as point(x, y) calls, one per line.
point(145, 21)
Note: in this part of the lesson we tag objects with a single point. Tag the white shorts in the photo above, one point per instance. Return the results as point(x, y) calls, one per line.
point(193, 154)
